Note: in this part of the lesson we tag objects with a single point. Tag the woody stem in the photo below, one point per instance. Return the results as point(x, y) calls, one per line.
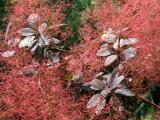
point(148, 102)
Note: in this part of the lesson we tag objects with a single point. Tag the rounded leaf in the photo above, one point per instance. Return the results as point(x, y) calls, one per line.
point(110, 59)
point(32, 44)
point(94, 100)
point(33, 49)
point(117, 81)
point(129, 53)
point(104, 46)
point(54, 40)
point(97, 84)
point(125, 92)
point(120, 67)
point(55, 57)
point(109, 37)
point(100, 106)
point(42, 28)
point(108, 78)
point(26, 42)
point(123, 42)
point(132, 40)
point(115, 45)
point(33, 19)
point(43, 41)
point(103, 52)
point(26, 32)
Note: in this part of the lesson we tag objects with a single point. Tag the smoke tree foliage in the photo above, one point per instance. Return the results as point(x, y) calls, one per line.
point(36, 38)
point(108, 85)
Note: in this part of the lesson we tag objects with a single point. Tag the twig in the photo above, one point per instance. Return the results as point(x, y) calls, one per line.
point(40, 86)
point(39, 83)
point(7, 30)
point(69, 84)
point(148, 102)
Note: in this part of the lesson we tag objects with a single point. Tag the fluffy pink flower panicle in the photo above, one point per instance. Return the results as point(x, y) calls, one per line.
point(41, 97)
point(83, 58)
point(31, 91)
point(23, 8)
point(18, 10)
point(145, 25)
point(142, 19)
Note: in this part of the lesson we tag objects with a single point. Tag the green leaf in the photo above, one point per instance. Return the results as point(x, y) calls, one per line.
point(73, 19)
point(4, 11)
point(145, 111)
point(150, 115)
point(68, 77)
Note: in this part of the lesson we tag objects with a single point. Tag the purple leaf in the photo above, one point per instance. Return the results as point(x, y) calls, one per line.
point(120, 67)
point(43, 41)
point(26, 42)
point(124, 42)
point(33, 19)
point(94, 100)
point(97, 84)
point(42, 28)
point(54, 41)
point(104, 46)
point(117, 81)
point(129, 53)
point(125, 92)
point(107, 78)
point(100, 106)
point(109, 37)
point(33, 49)
point(26, 32)
point(110, 59)
point(103, 52)
point(55, 58)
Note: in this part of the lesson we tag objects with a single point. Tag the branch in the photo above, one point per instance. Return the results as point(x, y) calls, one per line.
point(148, 102)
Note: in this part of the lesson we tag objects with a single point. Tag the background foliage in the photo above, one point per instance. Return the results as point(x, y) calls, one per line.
point(73, 18)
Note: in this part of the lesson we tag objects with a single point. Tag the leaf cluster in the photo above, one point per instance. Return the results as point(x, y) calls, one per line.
point(37, 41)
point(111, 84)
